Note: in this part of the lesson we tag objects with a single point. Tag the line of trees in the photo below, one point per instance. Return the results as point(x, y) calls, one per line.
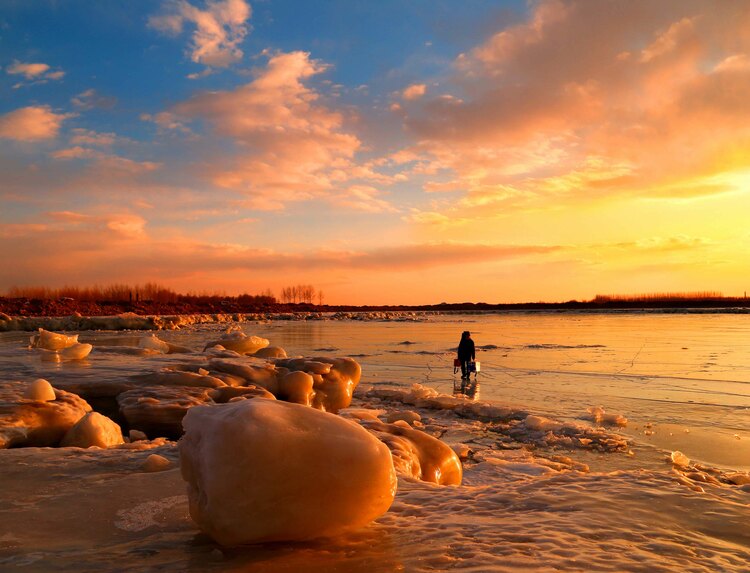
point(301, 293)
point(114, 292)
point(659, 296)
point(151, 292)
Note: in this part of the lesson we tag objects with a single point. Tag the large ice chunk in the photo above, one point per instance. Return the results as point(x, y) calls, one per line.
point(334, 379)
point(77, 351)
point(240, 342)
point(263, 470)
point(417, 454)
point(93, 430)
point(263, 375)
point(173, 377)
point(53, 341)
point(270, 352)
point(297, 387)
point(59, 346)
point(40, 391)
point(153, 342)
point(29, 418)
point(158, 410)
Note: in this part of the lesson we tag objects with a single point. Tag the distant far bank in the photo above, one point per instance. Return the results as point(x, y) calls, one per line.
point(155, 299)
point(228, 305)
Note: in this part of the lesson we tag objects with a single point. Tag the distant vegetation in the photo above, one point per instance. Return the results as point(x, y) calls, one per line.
point(148, 292)
point(301, 293)
point(659, 297)
point(152, 294)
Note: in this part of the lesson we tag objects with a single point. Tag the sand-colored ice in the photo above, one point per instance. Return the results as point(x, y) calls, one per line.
point(152, 342)
point(240, 342)
point(516, 423)
point(156, 463)
point(234, 393)
point(258, 374)
point(77, 351)
point(36, 422)
point(52, 340)
point(93, 430)
point(417, 454)
point(407, 416)
point(159, 410)
point(334, 379)
point(40, 391)
point(263, 470)
point(56, 347)
point(173, 377)
point(297, 387)
point(270, 352)
point(600, 416)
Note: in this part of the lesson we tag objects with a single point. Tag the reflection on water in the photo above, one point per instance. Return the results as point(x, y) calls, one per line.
point(466, 388)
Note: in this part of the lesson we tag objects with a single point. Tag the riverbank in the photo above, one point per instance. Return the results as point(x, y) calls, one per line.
point(25, 307)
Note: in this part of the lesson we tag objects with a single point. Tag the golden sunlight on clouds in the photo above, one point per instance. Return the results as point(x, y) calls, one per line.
point(31, 123)
point(578, 112)
point(29, 71)
point(35, 73)
point(414, 91)
point(586, 147)
point(219, 30)
point(290, 146)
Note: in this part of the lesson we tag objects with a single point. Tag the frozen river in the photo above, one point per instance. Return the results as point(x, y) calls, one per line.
point(681, 380)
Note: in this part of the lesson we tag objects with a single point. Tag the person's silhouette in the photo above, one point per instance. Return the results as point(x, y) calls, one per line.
point(466, 353)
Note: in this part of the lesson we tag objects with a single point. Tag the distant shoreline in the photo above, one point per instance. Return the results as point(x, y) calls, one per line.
point(23, 307)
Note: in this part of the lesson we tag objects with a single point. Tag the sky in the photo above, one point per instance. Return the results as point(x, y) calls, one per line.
point(385, 152)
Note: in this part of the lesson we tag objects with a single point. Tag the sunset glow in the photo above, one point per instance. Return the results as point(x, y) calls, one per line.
point(383, 152)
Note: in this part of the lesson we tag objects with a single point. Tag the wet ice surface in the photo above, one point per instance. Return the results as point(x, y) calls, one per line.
point(526, 498)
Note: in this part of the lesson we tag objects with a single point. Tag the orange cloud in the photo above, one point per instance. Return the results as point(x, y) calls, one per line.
point(70, 246)
point(290, 145)
point(29, 71)
point(77, 153)
point(578, 105)
point(81, 136)
point(414, 91)
point(219, 30)
point(33, 123)
point(33, 73)
point(107, 164)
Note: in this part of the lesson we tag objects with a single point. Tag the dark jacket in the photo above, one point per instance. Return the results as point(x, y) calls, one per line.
point(466, 349)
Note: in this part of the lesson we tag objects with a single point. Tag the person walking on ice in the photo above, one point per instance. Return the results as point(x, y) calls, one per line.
point(465, 353)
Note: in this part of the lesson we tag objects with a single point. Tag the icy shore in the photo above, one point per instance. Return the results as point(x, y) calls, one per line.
point(132, 321)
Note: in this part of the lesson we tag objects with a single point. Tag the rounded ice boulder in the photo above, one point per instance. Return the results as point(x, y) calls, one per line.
point(264, 470)
point(93, 430)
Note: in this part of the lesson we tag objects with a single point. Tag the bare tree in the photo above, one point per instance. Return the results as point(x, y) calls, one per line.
point(300, 293)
